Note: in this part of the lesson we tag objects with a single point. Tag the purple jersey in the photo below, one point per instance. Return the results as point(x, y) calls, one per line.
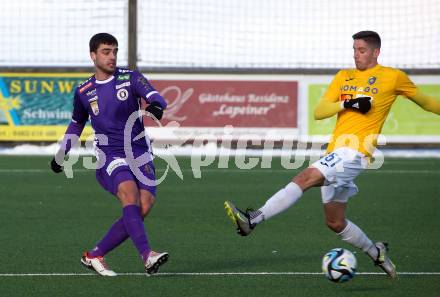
point(110, 103)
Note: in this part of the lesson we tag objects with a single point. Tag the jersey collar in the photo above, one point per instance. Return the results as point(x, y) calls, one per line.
point(101, 82)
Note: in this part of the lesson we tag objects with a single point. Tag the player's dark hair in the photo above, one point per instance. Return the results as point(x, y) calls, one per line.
point(370, 37)
point(101, 38)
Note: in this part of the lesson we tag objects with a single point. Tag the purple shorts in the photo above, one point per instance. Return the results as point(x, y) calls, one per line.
point(117, 169)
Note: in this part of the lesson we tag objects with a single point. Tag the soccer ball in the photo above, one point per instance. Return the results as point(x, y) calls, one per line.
point(339, 265)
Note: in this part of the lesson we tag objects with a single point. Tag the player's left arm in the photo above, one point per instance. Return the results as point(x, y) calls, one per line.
point(144, 89)
point(428, 103)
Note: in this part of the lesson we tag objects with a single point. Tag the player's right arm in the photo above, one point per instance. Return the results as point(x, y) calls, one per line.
point(72, 134)
point(329, 104)
point(327, 108)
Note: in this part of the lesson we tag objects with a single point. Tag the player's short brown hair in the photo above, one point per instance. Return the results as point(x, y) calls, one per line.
point(370, 37)
point(101, 38)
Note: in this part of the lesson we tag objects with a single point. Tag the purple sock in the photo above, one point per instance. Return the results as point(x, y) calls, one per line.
point(135, 228)
point(116, 235)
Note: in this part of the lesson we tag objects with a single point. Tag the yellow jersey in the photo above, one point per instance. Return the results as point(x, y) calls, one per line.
point(383, 85)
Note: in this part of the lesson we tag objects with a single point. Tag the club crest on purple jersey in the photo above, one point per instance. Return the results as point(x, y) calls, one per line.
point(94, 105)
point(122, 94)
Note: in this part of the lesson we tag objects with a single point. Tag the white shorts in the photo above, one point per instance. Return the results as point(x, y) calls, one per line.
point(340, 168)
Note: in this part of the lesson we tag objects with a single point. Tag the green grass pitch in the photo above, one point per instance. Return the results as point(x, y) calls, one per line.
point(47, 221)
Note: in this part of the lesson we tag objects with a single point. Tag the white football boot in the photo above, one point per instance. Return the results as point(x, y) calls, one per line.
point(154, 261)
point(97, 264)
point(383, 261)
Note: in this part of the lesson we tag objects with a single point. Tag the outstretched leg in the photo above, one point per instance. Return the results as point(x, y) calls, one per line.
point(246, 221)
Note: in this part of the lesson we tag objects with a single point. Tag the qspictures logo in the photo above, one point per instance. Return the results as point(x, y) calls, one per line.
point(293, 157)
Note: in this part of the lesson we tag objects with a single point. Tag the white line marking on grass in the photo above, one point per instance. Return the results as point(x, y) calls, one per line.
point(205, 274)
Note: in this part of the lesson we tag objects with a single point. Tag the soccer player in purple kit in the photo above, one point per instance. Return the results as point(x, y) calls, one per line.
point(109, 98)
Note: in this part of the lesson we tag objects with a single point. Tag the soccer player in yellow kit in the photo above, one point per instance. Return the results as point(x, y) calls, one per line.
point(361, 98)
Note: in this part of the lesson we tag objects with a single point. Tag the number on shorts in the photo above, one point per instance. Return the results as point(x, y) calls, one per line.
point(330, 160)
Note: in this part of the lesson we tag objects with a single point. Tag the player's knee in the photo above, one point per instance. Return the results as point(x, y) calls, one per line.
point(301, 180)
point(128, 195)
point(146, 208)
point(129, 198)
point(308, 178)
point(336, 225)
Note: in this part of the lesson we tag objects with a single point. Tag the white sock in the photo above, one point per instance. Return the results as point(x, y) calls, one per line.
point(279, 202)
point(356, 237)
